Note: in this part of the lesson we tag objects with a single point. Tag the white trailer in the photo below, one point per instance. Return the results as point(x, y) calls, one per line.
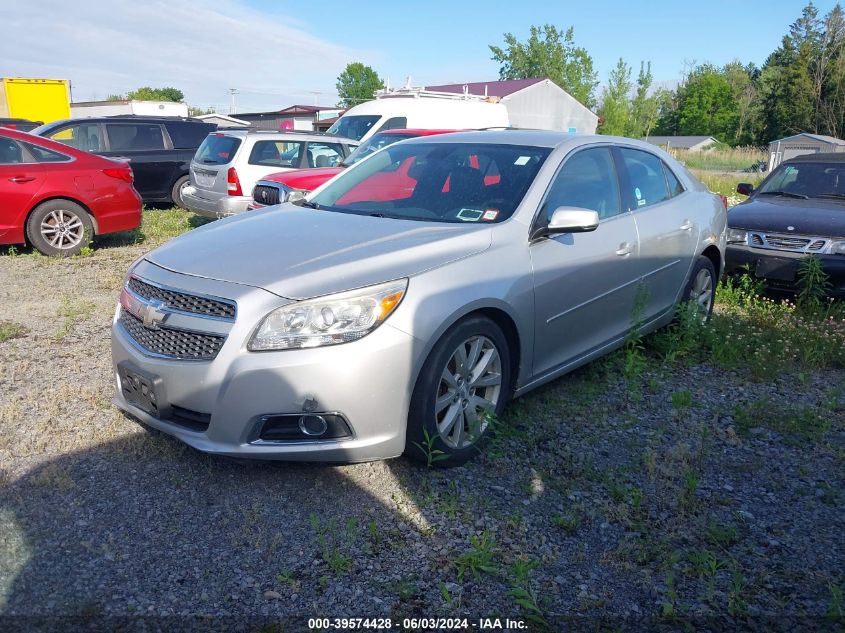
point(143, 108)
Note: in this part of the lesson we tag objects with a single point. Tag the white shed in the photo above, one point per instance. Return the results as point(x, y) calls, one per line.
point(537, 103)
point(803, 143)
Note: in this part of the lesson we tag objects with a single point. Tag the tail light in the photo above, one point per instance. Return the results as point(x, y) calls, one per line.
point(233, 183)
point(724, 200)
point(121, 173)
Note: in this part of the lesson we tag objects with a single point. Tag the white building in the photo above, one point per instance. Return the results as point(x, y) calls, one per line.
point(537, 103)
point(125, 106)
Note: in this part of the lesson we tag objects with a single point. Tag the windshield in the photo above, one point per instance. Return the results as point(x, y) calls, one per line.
point(436, 182)
point(806, 180)
point(217, 149)
point(354, 127)
point(373, 144)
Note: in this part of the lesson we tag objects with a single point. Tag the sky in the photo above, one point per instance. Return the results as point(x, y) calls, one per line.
point(278, 53)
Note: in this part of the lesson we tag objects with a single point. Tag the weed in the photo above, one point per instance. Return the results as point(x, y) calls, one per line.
point(10, 330)
point(73, 312)
point(479, 559)
point(286, 577)
point(803, 422)
point(813, 285)
point(722, 535)
point(682, 399)
point(432, 454)
point(567, 522)
point(691, 479)
point(635, 362)
point(737, 605)
point(338, 561)
point(669, 607)
point(835, 608)
point(85, 251)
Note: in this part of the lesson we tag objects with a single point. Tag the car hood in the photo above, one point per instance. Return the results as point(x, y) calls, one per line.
point(297, 177)
point(813, 216)
point(299, 253)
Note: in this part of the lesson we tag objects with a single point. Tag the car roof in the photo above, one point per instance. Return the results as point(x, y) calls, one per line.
point(415, 131)
point(535, 138)
point(142, 118)
point(829, 157)
point(285, 134)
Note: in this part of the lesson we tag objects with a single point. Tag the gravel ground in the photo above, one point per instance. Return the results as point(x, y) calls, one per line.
point(594, 499)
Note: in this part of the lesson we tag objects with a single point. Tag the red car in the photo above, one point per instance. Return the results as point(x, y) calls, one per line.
point(56, 198)
point(276, 188)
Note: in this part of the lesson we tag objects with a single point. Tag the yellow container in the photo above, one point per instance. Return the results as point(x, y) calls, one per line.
point(34, 99)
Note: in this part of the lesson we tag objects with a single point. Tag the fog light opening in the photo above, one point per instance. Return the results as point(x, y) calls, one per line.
point(313, 425)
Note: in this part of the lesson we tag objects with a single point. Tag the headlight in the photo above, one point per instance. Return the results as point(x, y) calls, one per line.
point(737, 236)
point(837, 248)
point(329, 320)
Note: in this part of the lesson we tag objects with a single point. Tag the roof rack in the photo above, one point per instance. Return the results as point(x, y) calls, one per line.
point(417, 92)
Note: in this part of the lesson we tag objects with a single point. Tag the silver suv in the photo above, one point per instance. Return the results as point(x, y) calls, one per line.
point(228, 163)
point(412, 296)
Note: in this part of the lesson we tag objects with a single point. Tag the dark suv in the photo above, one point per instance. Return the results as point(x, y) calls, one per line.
point(159, 149)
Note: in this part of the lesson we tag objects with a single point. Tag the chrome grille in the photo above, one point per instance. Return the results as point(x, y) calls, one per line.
point(171, 343)
point(793, 243)
point(265, 194)
point(182, 301)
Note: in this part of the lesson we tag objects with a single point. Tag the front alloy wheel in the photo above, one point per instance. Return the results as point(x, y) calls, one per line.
point(463, 384)
point(468, 392)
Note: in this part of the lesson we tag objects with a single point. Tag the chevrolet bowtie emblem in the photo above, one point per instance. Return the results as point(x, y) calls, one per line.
point(151, 315)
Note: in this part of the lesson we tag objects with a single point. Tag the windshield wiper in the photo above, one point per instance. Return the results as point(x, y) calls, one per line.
point(310, 205)
point(837, 196)
point(788, 194)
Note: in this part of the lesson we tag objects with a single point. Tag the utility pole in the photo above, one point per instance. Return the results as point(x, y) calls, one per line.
point(233, 92)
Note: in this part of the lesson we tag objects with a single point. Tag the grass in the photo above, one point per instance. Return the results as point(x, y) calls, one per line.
point(10, 330)
point(721, 158)
point(73, 312)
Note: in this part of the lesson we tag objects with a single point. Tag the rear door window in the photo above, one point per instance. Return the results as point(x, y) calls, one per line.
point(44, 155)
point(84, 136)
point(276, 153)
point(217, 149)
point(324, 154)
point(134, 136)
point(675, 186)
point(647, 183)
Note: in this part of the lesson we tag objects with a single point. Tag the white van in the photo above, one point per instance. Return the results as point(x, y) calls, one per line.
point(422, 110)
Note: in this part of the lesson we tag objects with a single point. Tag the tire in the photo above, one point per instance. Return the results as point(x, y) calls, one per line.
point(59, 228)
point(701, 287)
point(443, 381)
point(176, 191)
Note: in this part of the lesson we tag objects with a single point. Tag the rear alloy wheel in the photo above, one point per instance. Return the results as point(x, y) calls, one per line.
point(701, 289)
point(59, 227)
point(464, 383)
point(177, 189)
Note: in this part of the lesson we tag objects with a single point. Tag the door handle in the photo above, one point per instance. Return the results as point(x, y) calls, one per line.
point(687, 226)
point(624, 249)
point(21, 179)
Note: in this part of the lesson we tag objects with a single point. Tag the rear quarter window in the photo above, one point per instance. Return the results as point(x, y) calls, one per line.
point(44, 155)
point(188, 135)
point(276, 153)
point(217, 149)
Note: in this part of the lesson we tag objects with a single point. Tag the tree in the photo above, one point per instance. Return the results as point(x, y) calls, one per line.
point(356, 84)
point(615, 102)
point(644, 107)
point(146, 93)
point(550, 53)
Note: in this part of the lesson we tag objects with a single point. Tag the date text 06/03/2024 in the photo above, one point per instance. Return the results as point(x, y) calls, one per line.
point(417, 624)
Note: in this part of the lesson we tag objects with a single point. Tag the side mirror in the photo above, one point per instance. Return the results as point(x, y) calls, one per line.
point(745, 188)
point(573, 220)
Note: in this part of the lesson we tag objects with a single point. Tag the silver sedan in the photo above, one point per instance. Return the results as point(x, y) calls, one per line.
point(405, 302)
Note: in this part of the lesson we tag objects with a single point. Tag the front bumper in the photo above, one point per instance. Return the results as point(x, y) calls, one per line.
point(740, 258)
point(214, 208)
point(368, 382)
